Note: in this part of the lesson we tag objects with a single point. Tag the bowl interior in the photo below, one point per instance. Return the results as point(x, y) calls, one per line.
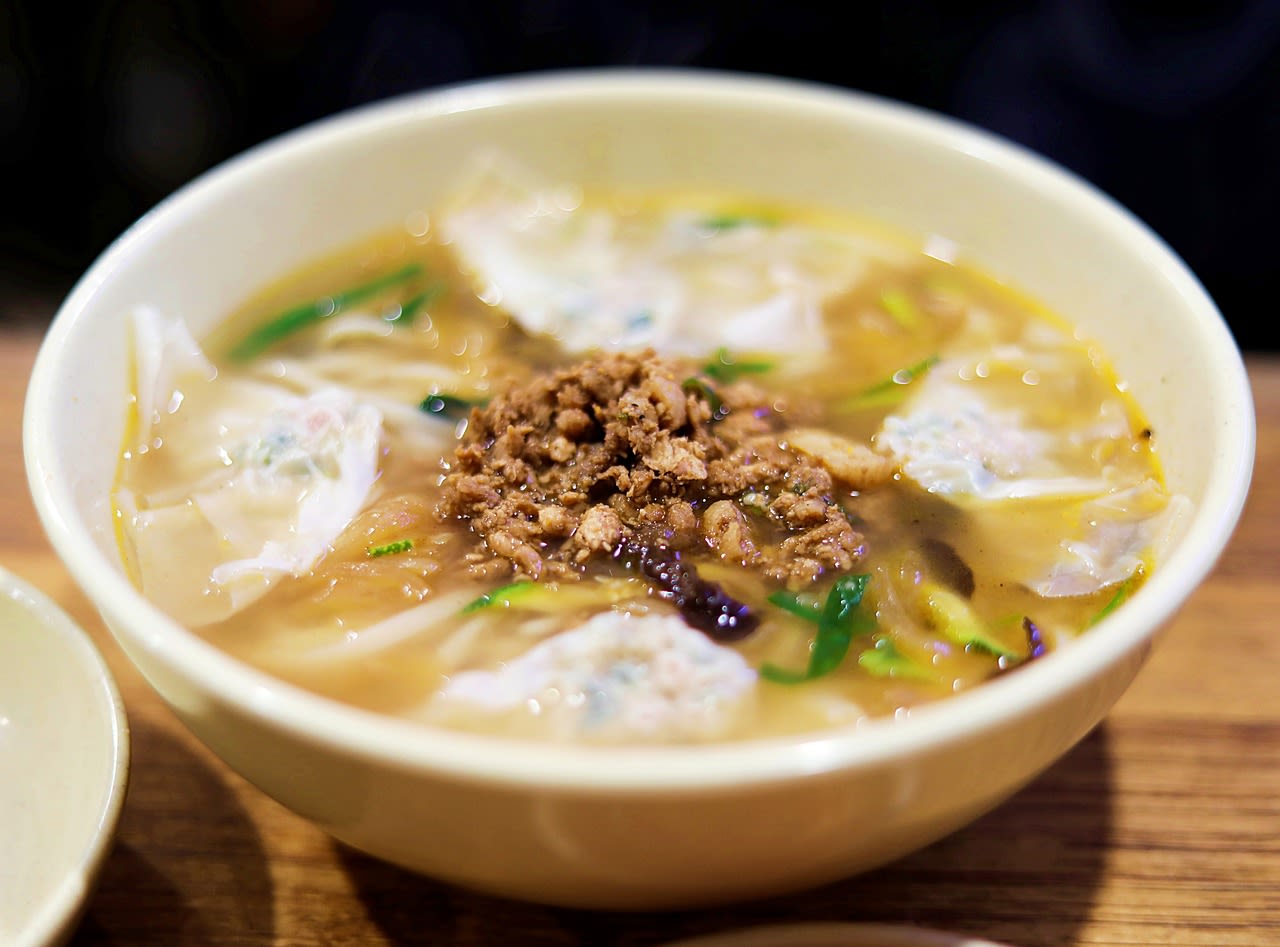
point(1017, 216)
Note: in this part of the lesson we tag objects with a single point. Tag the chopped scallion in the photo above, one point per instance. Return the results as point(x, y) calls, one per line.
point(725, 367)
point(800, 606)
point(696, 386)
point(299, 317)
point(722, 222)
point(839, 623)
point(409, 309)
point(885, 660)
point(955, 618)
point(560, 598)
point(390, 549)
point(1116, 600)
point(892, 390)
point(448, 406)
point(503, 596)
point(899, 305)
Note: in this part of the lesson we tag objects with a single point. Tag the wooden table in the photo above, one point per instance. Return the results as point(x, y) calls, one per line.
point(1162, 827)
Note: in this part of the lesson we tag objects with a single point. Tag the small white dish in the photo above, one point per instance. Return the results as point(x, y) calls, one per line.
point(64, 760)
point(835, 934)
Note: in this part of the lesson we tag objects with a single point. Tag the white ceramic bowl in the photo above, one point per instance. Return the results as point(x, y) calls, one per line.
point(64, 756)
point(630, 828)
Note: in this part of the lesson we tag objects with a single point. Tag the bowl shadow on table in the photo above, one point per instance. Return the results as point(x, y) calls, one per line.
point(184, 842)
point(1024, 874)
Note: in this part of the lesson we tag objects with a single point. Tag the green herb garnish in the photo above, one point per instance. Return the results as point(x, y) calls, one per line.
point(890, 391)
point(390, 549)
point(956, 619)
point(306, 314)
point(723, 222)
point(503, 596)
point(408, 310)
point(449, 406)
point(1116, 600)
point(725, 368)
point(856, 521)
point(899, 305)
point(801, 606)
point(696, 386)
point(885, 660)
point(838, 624)
point(553, 598)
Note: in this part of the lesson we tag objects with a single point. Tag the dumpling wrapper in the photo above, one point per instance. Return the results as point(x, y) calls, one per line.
point(1118, 534)
point(270, 478)
point(596, 278)
point(615, 677)
point(957, 441)
point(954, 439)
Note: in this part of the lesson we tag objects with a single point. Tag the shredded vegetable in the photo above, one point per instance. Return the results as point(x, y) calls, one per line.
point(549, 598)
point(899, 305)
point(408, 311)
point(696, 386)
point(390, 549)
point(883, 659)
point(838, 624)
point(1116, 600)
point(956, 619)
point(892, 390)
point(448, 406)
point(300, 317)
point(725, 367)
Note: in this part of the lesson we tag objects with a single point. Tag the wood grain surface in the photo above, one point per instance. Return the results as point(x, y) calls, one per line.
point(1161, 827)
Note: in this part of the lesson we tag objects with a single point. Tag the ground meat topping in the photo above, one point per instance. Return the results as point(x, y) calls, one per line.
point(621, 449)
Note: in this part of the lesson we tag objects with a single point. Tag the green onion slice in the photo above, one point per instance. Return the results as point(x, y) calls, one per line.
point(696, 386)
point(798, 605)
point(839, 623)
point(725, 367)
point(723, 222)
point(956, 619)
point(1116, 600)
point(885, 660)
point(892, 390)
point(503, 596)
point(450, 407)
point(900, 306)
point(299, 317)
point(409, 309)
point(390, 549)
point(554, 598)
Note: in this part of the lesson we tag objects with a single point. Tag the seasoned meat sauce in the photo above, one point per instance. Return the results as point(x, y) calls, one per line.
point(625, 448)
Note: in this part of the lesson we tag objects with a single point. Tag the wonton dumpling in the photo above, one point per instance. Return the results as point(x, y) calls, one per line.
point(273, 477)
point(166, 361)
point(1117, 534)
point(956, 440)
point(591, 277)
point(650, 677)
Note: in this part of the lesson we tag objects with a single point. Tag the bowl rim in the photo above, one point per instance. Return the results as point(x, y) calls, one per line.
point(406, 745)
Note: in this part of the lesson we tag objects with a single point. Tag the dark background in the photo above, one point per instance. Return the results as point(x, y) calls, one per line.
point(105, 109)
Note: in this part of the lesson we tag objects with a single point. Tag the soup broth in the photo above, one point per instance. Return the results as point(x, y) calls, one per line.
point(636, 468)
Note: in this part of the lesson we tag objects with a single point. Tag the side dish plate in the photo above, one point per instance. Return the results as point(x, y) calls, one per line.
point(64, 753)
